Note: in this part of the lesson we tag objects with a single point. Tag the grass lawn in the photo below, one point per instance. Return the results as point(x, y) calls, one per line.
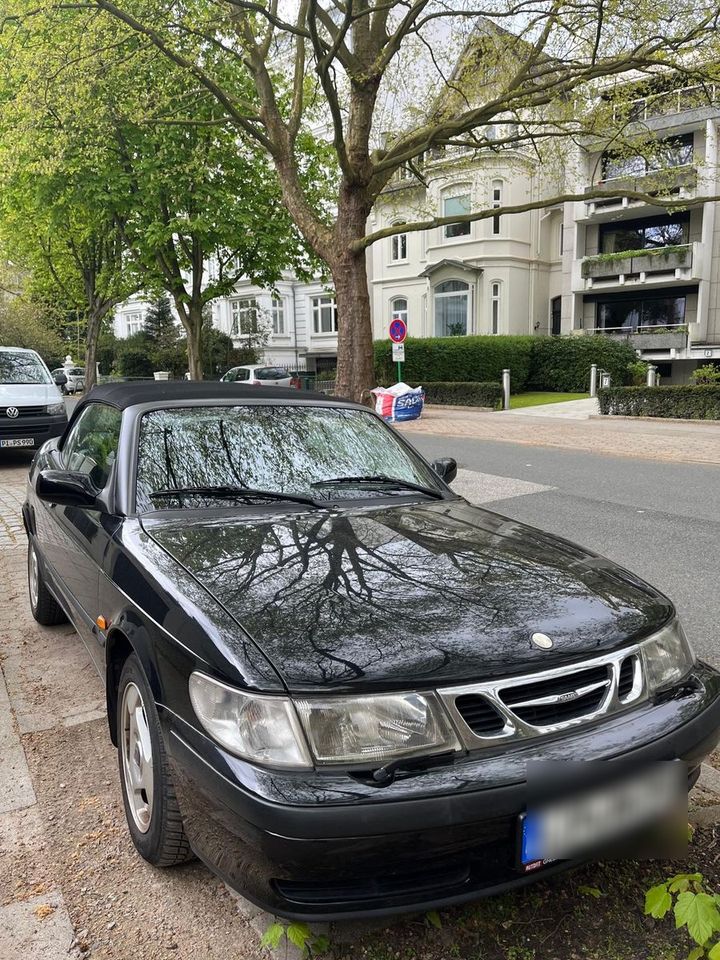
point(518, 400)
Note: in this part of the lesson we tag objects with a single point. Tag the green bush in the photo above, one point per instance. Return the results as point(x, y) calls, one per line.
point(468, 394)
point(457, 360)
point(559, 364)
point(562, 364)
point(133, 356)
point(701, 402)
point(709, 373)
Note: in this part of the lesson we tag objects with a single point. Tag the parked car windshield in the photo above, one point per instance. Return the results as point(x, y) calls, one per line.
point(22, 368)
point(290, 449)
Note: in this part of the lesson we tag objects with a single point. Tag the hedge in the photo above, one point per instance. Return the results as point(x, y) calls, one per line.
point(563, 364)
point(457, 360)
point(560, 364)
point(467, 394)
point(701, 402)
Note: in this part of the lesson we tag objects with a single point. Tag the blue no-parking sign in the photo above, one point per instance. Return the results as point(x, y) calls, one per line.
point(398, 330)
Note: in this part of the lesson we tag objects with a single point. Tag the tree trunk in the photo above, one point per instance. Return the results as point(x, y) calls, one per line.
point(91, 340)
point(355, 361)
point(192, 320)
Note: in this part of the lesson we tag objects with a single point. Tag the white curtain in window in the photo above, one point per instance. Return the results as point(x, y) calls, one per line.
point(451, 309)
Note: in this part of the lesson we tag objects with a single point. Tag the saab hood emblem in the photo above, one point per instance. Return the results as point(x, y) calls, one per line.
point(12, 412)
point(542, 641)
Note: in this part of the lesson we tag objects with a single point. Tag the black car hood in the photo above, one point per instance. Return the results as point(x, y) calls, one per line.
point(411, 594)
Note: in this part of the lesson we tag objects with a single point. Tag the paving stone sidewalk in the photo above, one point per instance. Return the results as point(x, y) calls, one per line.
point(678, 441)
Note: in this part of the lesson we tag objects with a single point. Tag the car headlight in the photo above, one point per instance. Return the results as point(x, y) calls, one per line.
point(375, 729)
point(364, 730)
point(264, 729)
point(668, 657)
point(54, 408)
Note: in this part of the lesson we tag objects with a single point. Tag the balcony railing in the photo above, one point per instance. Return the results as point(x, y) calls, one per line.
point(649, 337)
point(635, 262)
point(669, 180)
point(666, 104)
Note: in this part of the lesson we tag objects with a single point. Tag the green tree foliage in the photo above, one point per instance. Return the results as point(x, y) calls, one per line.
point(32, 325)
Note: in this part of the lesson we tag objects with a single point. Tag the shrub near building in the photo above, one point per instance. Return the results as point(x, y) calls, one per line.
point(558, 364)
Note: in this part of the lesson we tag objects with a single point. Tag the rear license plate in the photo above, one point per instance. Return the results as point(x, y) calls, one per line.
point(24, 442)
point(570, 827)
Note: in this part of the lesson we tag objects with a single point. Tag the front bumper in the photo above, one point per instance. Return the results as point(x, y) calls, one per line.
point(330, 846)
point(38, 429)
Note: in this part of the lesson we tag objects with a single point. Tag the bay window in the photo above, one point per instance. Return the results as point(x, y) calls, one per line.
point(452, 300)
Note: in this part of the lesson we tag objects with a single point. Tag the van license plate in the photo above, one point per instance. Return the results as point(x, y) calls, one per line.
point(25, 442)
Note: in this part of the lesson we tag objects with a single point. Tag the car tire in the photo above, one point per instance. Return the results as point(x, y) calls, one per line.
point(151, 807)
point(43, 605)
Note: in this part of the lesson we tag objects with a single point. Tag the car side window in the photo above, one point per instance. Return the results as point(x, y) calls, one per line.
point(91, 445)
point(242, 374)
point(230, 376)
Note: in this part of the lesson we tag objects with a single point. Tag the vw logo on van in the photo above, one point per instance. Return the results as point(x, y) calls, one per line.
point(12, 412)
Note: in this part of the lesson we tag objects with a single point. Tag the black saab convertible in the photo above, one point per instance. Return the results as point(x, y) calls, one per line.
point(330, 677)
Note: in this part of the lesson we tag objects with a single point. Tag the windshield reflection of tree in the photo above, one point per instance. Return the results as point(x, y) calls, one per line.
point(366, 587)
point(267, 448)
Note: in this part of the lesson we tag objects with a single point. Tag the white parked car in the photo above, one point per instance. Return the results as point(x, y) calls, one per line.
point(32, 409)
point(259, 376)
point(75, 379)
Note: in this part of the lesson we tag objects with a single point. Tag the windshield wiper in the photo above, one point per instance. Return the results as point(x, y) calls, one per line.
point(378, 480)
point(233, 493)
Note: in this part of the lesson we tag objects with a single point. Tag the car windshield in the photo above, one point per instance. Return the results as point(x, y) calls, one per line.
point(22, 368)
point(285, 449)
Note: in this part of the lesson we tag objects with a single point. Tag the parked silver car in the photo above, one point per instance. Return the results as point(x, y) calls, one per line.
point(75, 379)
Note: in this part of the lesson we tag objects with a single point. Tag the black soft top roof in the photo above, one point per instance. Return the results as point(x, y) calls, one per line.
point(127, 394)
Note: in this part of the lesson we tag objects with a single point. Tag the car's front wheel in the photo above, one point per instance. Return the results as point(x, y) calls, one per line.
point(43, 605)
point(151, 806)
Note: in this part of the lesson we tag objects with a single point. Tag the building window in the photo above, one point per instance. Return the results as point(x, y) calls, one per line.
point(497, 191)
point(631, 313)
point(398, 247)
point(277, 312)
point(324, 311)
point(399, 308)
point(495, 307)
point(673, 152)
point(451, 308)
point(244, 316)
point(135, 323)
point(456, 206)
point(646, 234)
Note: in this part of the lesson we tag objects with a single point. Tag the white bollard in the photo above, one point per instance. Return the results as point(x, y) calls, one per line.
point(506, 389)
point(651, 380)
point(593, 380)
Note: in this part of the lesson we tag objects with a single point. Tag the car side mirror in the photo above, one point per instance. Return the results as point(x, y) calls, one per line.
point(67, 489)
point(60, 380)
point(445, 468)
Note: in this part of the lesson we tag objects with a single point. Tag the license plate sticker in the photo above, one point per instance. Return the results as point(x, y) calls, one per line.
point(20, 442)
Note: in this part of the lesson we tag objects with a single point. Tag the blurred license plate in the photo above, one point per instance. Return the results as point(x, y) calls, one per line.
point(583, 822)
point(26, 442)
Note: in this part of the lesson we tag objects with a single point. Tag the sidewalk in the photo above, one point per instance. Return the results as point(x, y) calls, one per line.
point(673, 440)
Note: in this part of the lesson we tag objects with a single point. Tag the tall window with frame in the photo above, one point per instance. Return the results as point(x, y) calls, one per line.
point(244, 316)
point(277, 313)
point(135, 322)
point(497, 199)
point(495, 302)
point(452, 302)
point(324, 311)
point(398, 246)
point(399, 308)
point(457, 205)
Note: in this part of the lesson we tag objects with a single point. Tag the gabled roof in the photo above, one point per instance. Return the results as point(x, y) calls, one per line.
point(449, 262)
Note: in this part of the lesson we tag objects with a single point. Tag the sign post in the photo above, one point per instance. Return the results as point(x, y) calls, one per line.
point(398, 332)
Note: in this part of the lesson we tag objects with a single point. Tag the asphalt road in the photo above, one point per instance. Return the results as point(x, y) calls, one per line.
point(661, 520)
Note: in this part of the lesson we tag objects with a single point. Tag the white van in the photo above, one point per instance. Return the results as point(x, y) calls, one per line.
point(32, 409)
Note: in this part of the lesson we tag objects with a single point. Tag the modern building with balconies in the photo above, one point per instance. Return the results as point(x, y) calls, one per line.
point(635, 270)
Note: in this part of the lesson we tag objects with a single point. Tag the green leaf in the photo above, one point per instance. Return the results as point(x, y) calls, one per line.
point(682, 881)
point(273, 935)
point(698, 912)
point(320, 944)
point(658, 901)
point(590, 892)
point(433, 918)
point(714, 953)
point(696, 953)
point(299, 934)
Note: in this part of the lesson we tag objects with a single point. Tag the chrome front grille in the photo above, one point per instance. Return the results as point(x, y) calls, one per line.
point(24, 412)
point(541, 703)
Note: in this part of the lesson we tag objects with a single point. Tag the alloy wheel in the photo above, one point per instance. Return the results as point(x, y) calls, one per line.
point(137, 760)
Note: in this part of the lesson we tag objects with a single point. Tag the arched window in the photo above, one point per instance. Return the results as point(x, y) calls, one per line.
point(398, 245)
point(497, 199)
point(495, 302)
point(399, 308)
point(452, 299)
